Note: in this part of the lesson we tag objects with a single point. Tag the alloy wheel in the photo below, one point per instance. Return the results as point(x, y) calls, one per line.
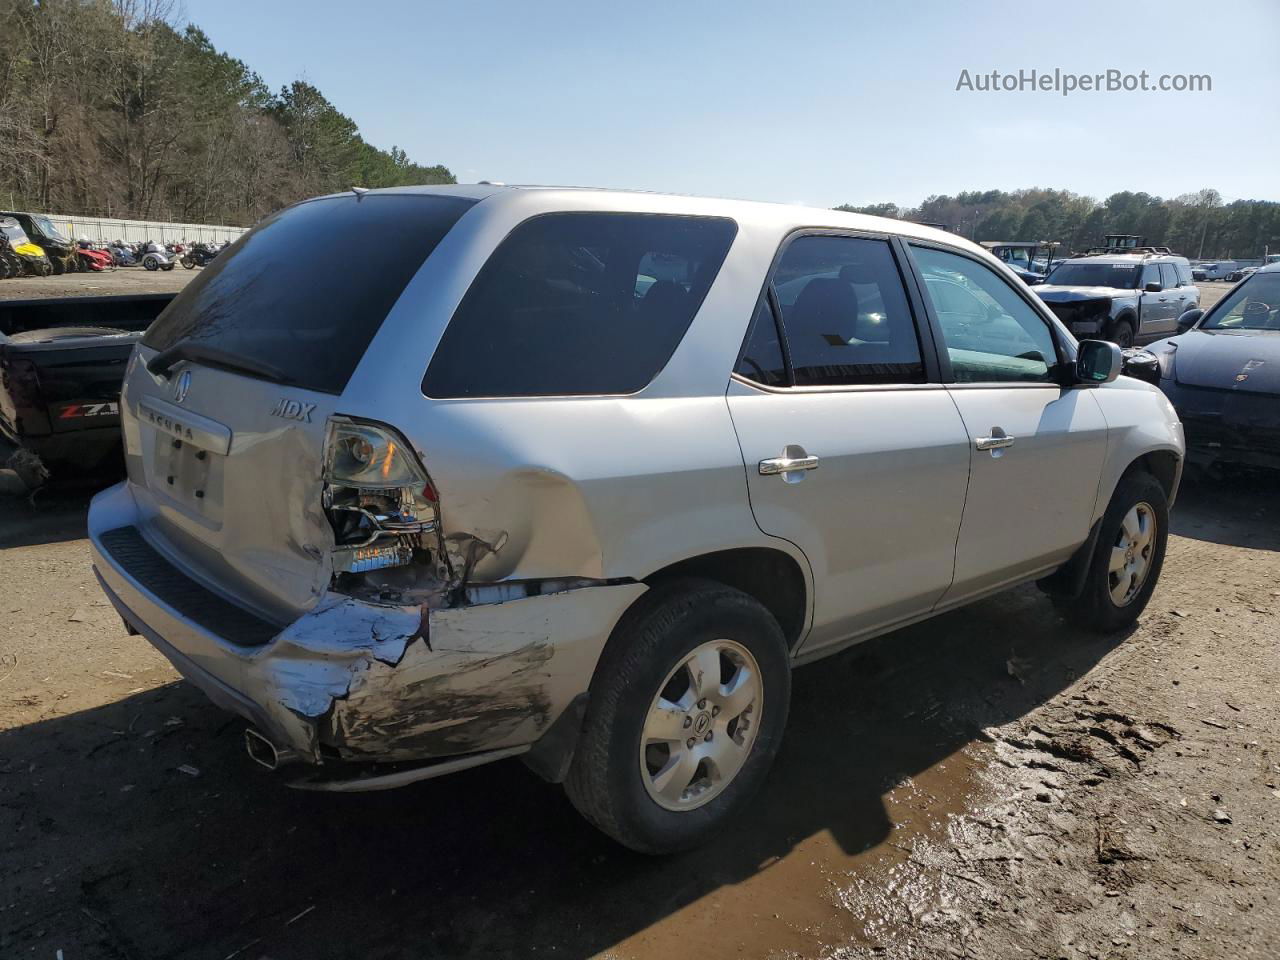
point(1131, 554)
point(701, 725)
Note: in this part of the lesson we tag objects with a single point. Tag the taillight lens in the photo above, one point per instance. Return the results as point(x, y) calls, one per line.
point(366, 456)
point(378, 498)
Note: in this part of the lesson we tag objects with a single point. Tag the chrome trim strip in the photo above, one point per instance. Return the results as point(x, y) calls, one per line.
point(186, 426)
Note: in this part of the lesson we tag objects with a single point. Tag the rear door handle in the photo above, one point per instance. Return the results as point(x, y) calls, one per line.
point(776, 465)
point(995, 442)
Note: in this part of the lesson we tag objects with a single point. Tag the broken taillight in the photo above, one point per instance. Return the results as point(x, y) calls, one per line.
point(377, 496)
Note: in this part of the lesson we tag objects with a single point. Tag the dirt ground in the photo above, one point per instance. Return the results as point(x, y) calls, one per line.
point(987, 784)
point(123, 280)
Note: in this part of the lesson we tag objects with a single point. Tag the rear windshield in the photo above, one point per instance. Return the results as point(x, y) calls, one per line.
point(574, 304)
point(305, 291)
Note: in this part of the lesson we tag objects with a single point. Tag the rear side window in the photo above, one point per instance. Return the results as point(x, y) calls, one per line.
point(305, 291)
point(575, 304)
point(845, 313)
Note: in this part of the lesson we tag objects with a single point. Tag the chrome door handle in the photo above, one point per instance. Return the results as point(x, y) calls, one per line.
point(994, 442)
point(776, 465)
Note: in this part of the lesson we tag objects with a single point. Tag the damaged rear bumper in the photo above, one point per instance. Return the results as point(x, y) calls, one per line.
point(352, 683)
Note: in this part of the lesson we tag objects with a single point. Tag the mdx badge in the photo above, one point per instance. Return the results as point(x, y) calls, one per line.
point(293, 410)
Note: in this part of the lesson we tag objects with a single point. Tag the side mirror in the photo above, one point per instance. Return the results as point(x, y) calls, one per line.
point(1189, 319)
point(1153, 287)
point(1098, 361)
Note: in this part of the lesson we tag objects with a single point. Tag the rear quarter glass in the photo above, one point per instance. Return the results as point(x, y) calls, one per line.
point(579, 304)
point(306, 290)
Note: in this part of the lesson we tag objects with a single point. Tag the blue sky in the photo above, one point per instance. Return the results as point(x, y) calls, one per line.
point(810, 102)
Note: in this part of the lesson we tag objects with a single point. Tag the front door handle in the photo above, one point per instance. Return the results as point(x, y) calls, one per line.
point(776, 465)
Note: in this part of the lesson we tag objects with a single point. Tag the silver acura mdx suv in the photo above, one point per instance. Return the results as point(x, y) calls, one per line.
point(581, 475)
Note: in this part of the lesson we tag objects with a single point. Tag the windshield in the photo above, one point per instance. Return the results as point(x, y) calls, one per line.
point(46, 227)
point(276, 307)
point(1121, 275)
point(14, 233)
point(1254, 305)
point(1015, 256)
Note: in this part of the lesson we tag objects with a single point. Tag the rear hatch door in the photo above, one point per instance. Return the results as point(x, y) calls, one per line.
point(227, 401)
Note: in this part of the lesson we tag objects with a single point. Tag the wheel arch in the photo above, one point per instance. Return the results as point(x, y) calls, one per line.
point(771, 576)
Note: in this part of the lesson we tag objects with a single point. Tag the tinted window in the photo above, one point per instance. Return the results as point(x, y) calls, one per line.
point(1121, 275)
point(991, 333)
point(845, 314)
point(762, 359)
point(1168, 276)
point(1150, 274)
point(305, 291)
point(579, 303)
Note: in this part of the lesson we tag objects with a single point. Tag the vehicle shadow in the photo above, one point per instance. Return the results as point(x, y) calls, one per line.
point(116, 848)
point(53, 515)
point(1235, 509)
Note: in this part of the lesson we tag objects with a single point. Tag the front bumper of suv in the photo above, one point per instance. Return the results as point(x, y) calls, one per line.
point(357, 683)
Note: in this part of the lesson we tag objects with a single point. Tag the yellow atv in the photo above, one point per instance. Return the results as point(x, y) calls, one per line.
point(20, 256)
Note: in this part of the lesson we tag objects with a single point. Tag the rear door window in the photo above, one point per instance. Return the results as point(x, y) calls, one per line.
point(305, 291)
point(845, 313)
point(576, 304)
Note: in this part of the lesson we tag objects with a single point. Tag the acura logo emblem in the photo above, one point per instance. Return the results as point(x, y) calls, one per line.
point(181, 386)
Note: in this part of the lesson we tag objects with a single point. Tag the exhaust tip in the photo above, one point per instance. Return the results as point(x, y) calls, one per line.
point(263, 751)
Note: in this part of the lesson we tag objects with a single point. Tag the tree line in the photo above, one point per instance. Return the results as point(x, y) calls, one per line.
point(1196, 224)
point(110, 108)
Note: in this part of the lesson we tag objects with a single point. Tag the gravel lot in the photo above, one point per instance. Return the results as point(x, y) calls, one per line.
point(986, 784)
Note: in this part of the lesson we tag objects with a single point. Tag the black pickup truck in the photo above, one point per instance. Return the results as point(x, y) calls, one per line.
point(62, 363)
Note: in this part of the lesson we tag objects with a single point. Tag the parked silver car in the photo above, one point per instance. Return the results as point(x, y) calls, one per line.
point(581, 475)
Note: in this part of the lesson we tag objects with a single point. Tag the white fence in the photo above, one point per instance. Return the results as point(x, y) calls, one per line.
point(135, 231)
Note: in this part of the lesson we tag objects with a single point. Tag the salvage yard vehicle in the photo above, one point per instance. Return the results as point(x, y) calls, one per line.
point(1023, 257)
point(21, 256)
point(158, 257)
point(1222, 374)
point(58, 248)
point(1126, 298)
point(62, 363)
point(580, 475)
point(1213, 269)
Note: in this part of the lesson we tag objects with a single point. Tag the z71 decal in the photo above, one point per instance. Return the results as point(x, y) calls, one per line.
point(79, 411)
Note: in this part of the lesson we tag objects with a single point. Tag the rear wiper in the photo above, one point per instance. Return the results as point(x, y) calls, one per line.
point(166, 359)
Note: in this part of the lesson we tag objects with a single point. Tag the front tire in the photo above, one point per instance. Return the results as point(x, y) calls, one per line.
point(685, 717)
point(1127, 560)
point(1122, 334)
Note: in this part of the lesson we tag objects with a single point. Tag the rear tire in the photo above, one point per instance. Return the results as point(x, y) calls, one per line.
point(1127, 559)
point(626, 775)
